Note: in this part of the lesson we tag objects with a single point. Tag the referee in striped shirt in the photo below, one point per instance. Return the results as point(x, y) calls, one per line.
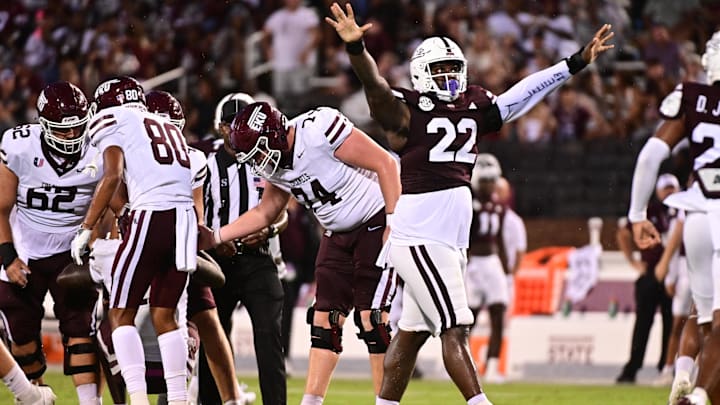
point(251, 277)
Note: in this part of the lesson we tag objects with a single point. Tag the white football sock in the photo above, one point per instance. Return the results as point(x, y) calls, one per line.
point(479, 399)
point(684, 363)
point(380, 401)
point(308, 399)
point(131, 359)
point(87, 394)
point(173, 350)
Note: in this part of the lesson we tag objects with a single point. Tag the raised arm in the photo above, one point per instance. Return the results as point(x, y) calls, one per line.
point(526, 93)
point(392, 114)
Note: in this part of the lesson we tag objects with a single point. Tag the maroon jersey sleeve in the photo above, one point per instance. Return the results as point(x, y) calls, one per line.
point(442, 138)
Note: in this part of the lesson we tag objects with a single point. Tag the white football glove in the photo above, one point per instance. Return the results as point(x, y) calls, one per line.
point(79, 244)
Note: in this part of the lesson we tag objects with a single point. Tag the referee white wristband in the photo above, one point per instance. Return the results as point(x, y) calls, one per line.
point(217, 237)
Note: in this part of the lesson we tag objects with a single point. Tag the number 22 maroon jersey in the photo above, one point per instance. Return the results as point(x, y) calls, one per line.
point(442, 139)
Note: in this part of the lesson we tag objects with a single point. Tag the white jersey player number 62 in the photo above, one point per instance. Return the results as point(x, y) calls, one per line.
point(439, 152)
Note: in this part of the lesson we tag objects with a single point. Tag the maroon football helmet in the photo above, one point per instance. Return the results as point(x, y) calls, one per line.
point(119, 91)
point(259, 133)
point(63, 114)
point(164, 104)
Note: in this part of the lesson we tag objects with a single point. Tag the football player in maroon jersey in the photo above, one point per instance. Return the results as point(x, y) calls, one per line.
point(692, 110)
point(434, 128)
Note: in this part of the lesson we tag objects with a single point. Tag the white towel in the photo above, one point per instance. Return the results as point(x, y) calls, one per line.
point(383, 260)
point(102, 257)
point(186, 239)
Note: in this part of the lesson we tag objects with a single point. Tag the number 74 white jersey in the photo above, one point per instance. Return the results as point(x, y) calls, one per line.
point(157, 164)
point(53, 193)
point(342, 197)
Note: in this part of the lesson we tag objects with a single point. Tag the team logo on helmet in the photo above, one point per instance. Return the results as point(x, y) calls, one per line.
point(257, 119)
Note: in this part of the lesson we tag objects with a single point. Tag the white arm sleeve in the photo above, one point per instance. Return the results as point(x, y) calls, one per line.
point(646, 170)
point(526, 93)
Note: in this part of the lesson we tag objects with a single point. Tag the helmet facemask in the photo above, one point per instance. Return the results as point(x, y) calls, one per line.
point(448, 85)
point(65, 147)
point(265, 160)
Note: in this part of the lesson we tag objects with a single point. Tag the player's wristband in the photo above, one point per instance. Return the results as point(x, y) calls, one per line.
point(576, 62)
point(355, 47)
point(216, 236)
point(388, 219)
point(8, 253)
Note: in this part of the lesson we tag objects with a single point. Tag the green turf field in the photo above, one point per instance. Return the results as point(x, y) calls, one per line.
point(420, 392)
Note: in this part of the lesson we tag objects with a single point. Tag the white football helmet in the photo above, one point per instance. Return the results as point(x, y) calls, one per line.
point(446, 86)
point(711, 58)
point(486, 167)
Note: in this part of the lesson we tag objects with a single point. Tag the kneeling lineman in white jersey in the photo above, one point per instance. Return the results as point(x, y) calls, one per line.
point(351, 185)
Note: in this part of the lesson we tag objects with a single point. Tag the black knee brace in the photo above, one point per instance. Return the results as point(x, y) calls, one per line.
point(79, 348)
point(29, 359)
point(378, 338)
point(328, 339)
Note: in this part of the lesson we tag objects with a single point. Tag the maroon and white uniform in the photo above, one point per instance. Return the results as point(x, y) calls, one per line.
point(698, 105)
point(431, 224)
point(161, 246)
point(485, 278)
point(347, 202)
point(53, 195)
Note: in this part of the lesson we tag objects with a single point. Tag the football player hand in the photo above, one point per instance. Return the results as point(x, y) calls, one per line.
point(17, 272)
point(386, 234)
point(670, 289)
point(345, 24)
point(226, 249)
point(206, 239)
point(79, 245)
point(661, 270)
point(645, 234)
point(254, 240)
point(597, 44)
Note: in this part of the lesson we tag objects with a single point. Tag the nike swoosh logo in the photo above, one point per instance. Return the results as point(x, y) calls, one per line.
point(374, 228)
point(300, 155)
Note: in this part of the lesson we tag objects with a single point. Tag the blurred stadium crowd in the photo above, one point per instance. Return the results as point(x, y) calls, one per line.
point(282, 50)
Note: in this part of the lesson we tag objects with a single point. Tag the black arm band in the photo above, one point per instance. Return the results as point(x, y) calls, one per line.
point(576, 62)
point(355, 47)
point(8, 253)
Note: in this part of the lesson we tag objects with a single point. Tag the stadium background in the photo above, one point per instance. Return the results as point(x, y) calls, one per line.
point(570, 159)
